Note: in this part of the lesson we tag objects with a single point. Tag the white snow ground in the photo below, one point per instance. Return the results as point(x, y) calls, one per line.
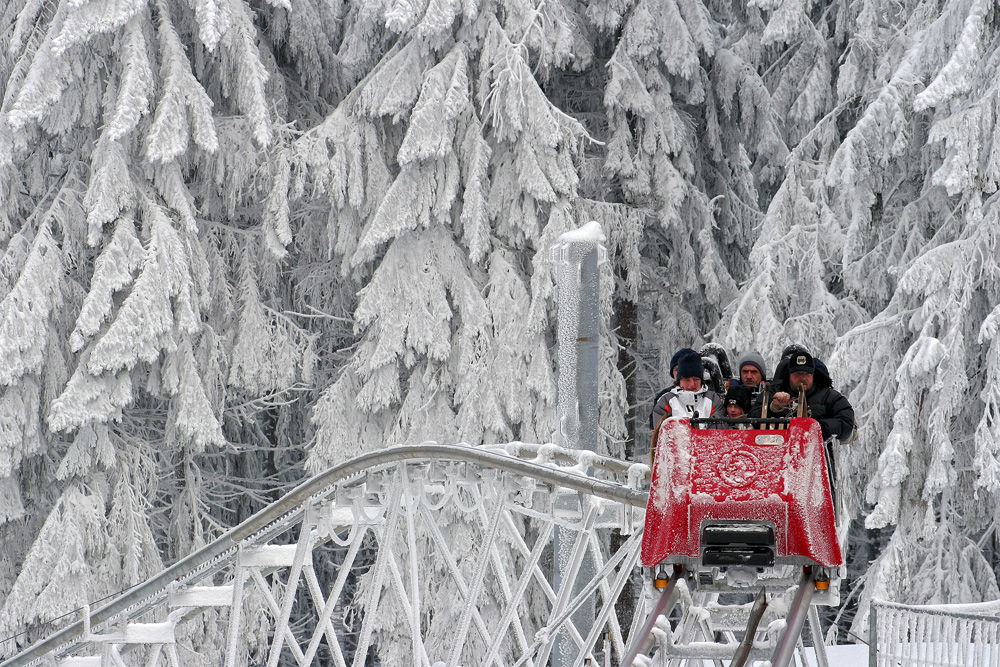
point(844, 655)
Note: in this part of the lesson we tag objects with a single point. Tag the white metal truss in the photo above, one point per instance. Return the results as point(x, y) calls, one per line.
point(707, 623)
point(444, 557)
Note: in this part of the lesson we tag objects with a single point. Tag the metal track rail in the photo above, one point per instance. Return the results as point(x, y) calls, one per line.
point(290, 510)
point(663, 608)
point(796, 619)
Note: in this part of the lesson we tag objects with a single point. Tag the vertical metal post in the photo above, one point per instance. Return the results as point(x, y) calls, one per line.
point(816, 630)
point(872, 635)
point(577, 256)
point(789, 639)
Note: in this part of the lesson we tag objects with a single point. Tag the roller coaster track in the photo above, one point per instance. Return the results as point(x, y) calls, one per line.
point(428, 555)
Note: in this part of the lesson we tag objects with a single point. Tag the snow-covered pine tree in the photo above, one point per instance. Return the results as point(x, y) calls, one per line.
point(924, 206)
point(894, 271)
point(135, 142)
point(450, 172)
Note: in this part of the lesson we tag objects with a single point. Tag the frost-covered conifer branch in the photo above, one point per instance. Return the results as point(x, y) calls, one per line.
point(25, 37)
point(183, 98)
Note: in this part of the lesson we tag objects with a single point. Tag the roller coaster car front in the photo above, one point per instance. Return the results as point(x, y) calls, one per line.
point(740, 498)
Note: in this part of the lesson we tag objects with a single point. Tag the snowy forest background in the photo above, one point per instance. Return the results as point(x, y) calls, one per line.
point(245, 240)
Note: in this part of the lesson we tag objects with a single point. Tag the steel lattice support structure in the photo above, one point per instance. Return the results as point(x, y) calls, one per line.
point(460, 537)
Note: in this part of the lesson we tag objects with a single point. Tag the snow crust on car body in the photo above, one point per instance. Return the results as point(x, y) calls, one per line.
point(777, 476)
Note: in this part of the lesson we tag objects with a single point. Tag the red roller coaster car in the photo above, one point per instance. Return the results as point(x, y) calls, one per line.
point(740, 498)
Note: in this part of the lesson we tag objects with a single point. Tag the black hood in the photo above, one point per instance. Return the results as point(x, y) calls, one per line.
point(821, 378)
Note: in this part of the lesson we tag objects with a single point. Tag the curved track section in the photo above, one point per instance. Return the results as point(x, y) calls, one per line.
point(425, 555)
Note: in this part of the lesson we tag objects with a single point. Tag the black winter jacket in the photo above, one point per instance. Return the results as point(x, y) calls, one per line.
point(826, 405)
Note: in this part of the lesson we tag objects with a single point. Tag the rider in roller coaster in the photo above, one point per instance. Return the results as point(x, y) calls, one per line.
point(690, 394)
point(797, 371)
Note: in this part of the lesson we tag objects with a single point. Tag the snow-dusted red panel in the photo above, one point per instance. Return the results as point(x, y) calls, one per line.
point(777, 476)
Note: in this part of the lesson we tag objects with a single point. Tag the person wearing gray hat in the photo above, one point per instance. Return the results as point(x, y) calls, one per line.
point(752, 369)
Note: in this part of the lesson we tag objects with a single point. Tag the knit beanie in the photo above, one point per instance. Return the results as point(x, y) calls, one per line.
point(689, 365)
point(752, 358)
point(801, 362)
point(678, 354)
point(740, 396)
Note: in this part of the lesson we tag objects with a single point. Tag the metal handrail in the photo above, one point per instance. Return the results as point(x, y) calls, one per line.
point(975, 611)
point(559, 454)
point(781, 421)
point(290, 508)
point(980, 616)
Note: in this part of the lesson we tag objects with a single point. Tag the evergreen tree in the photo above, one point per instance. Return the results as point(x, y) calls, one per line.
point(244, 240)
point(127, 187)
point(890, 275)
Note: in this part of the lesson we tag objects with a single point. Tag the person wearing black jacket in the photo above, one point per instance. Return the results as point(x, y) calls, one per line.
point(826, 405)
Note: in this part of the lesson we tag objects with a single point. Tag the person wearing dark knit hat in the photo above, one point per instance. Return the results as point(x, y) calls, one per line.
point(737, 401)
point(781, 370)
point(752, 369)
point(689, 395)
point(737, 405)
point(677, 355)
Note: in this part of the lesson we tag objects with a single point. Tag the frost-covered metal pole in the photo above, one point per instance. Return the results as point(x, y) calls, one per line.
point(577, 256)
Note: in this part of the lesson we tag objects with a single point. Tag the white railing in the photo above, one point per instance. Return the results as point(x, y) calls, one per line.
point(959, 635)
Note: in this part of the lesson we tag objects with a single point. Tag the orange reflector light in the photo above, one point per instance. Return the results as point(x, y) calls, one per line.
point(822, 584)
point(661, 579)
